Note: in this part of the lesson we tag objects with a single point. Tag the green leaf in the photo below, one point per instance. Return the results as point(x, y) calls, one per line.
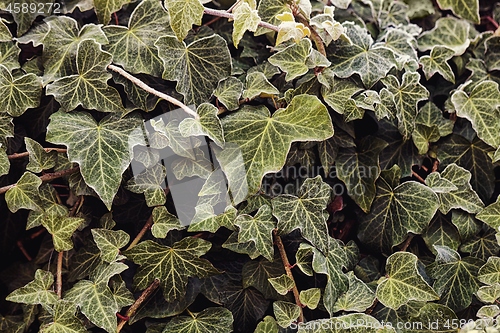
point(256, 273)
point(482, 246)
point(151, 182)
point(171, 136)
point(285, 313)
point(25, 18)
point(207, 321)
point(245, 18)
point(448, 32)
point(359, 57)
point(208, 124)
point(64, 320)
point(489, 294)
point(103, 150)
point(468, 226)
point(197, 67)
point(358, 297)
point(110, 242)
point(257, 84)
point(172, 265)
point(88, 88)
point(39, 159)
point(282, 284)
point(406, 97)
point(104, 8)
point(306, 212)
point(228, 92)
point(455, 277)
point(133, 46)
point(61, 228)
point(436, 63)
point(4, 162)
point(441, 232)
point(206, 220)
point(491, 54)
point(359, 168)
point(183, 14)
point(352, 323)
point(466, 9)
point(310, 297)
point(37, 291)
point(292, 59)
point(247, 305)
point(403, 282)
point(163, 222)
point(259, 230)
point(268, 9)
point(19, 93)
point(397, 210)
point(9, 54)
point(268, 325)
point(480, 107)
point(24, 195)
point(263, 146)
point(489, 273)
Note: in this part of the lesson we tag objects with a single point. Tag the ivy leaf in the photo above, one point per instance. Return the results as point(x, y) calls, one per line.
point(282, 284)
point(489, 273)
point(110, 242)
point(403, 282)
point(359, 168)
point(455, 277)
point(172, 265)
point(285, 313)
point(448, 32)
point(436, 63)
point(61, 228)
point(358, 297)
point(4, 162)
point(163, 222)
point(268, 325)
point(245, 18)
point(480, 107)
point(206, 220)
point(39, 159)
point(468, 226)
point(104, 8)
point(133, 47)
point(337, 92)
point(466, 9)
point(183, 14)
point(171, 136)
point(292, 59)
point(268, 10)
point(247, 305)
point(103, 150)
point(64, 320)
point(441, 232)
point(24, 194)
point(305, 212)
point(151, 182)
point(228, 92)
point(20, 93)
point(257, 84)
point(352, 323)
point(359, 57)
point(406, 97)
point(9, 54)
point(208, 124)
point(37, 291)
point(489, 294)
point(397, 210)
point(257, 273)
point(207, 321)
point(267, 140)
point(482, 246)
point(258, 229)
point(88, 88)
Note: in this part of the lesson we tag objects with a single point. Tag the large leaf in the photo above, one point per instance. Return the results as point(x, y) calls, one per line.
point(449, 32)
point(133, 47)
point(292, 59)
point(172, 265)
point(88, 88)
point(197, 67)
point(397, 210)
point(183, 14)
point(37, 291)
point(403, 282)
point(19, 93)
point(467, 9)
point(103, 150)
point(262, 147)
point(207, 321)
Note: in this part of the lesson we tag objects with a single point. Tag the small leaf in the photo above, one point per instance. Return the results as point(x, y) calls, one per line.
point(257, 84)
point(245, 18)
point(256, 273)
point(448, 32)
point(110, 242)
point(489, 294)
point(39, 159)
point(489, 273)
point(61, 228)
point(310, 297)
point(358, 297)
point(19, 93)
point(206, 220)
point(282, 284)
point(208, 124)
point(164, 222)
point(338, 92)
point(436, 63)
point(64, 320)
point(24, 194)
point(207, 321)
point(151, 182)
point(267, 325)
point(37, 291)
point(285, 313)
point(183, 14)
point(292, 59)
point(466, 9)
point(228, 92)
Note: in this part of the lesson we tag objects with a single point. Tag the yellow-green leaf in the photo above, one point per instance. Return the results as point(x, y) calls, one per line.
point(207, 124)
point(37, 291)
point(449, 32)
point(19, 93)
point(292, 59)
point(436, 63)
point(246, 18)
point(183, 14)
point(209, 320)
point(285, 313)
point(110, 242)
point(104, 8)
point(466, 9)
point(24, 194)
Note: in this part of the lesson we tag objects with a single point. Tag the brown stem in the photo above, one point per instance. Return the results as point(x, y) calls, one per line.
point(215, 19)
point(141, 233)
point(314, 35)
point(24, 154)
point(407, 242)
point(132, 310)
point(46, 177)
point(60, 256)
point(286, 264)
point(223, 13)
point(416, 175)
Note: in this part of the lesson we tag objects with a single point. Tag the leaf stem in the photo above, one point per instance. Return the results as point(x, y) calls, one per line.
point(133, 308)
point(60, 256)
point(286, 264)
point(141, 233)
point(223, 13)
point(24, 154)
point(153, 91)
point(314, 35)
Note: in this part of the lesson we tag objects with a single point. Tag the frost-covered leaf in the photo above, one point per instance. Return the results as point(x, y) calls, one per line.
point(285, 312)
point(258, 229)
point(151, 182)
point(246, 18)
point(207, 321)
point(172, 265)
point(228, 92)
point(358, 297)
point(133, 46)
point(104, 8)
point(466, 9)
point(489, 294)
point(263, 146)
point(196, 67)
point(310, 297)
point(37, 291)
point(436, 62)
point(183, 14)
point(449, 32)
point(24, 195)
point(110, 242)
point(282, 284)
point(18, 93)
point(256, 84)
point(64, 320)
point(292, 59)
point(359, 57)
point(397, 210)
point(39, 159)
point(163, 222)
point(208, 124)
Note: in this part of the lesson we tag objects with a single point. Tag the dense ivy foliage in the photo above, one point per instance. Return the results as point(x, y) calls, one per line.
point(265, 166)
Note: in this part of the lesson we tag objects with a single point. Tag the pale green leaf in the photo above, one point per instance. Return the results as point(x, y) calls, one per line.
point(9, 55)
point(488, 312)
point(151, 182)
point(133, 46)
point(246, 18)
point(4, 162)
point(64, 320)
point(489, 273)
point(337, 91)
point(358, 297)
point(197, 67)
point(163, 222)
point(282, 284)
point(39, 159)
point(24, 195)
point(37, 291)
point(103, 150)
point(206, 220)
point(285, 313)
point(310, 297)
point(448, 32)
point(466, 9)
point(257, 84)
point(187, 167)
point(267, 325)
point(104, 8)
point(228, 92)
point(258, 229)
point(207, 124)
point(171, 136)
point(183, 14)
point(489, 294)
point(61, 228)
point(263, 146)
point(172, 265)
point(110, 242)
point(207, 321)
point(436, 62)
point(468, 226)
point(491, 215)
point(291, 59)
point(422, 136)
point(19, 93)
point(88, 88)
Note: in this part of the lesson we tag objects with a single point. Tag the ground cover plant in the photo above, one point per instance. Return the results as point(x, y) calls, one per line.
point(265, 166)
